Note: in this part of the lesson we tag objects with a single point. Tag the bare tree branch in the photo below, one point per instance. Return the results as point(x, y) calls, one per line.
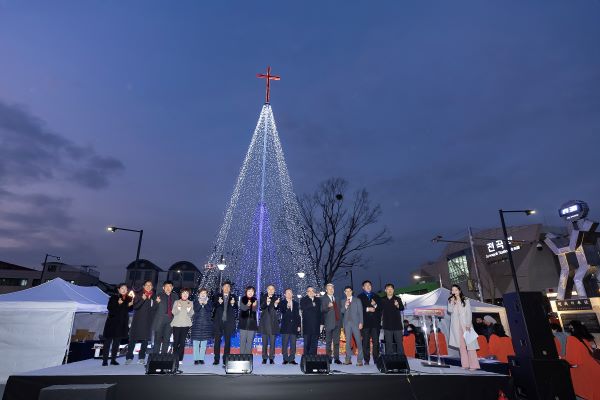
point(337, 233)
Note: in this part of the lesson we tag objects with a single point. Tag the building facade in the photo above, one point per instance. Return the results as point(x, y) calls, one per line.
point(536, 265)
point(184, 274)
point(16, 277)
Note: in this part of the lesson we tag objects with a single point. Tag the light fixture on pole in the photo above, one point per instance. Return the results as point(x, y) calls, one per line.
point(140, 233)
point(221, 266)
point(508, 245)
point(416, 277)
point(44, 266)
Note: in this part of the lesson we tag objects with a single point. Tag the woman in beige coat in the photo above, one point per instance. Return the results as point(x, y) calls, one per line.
point(461, 319)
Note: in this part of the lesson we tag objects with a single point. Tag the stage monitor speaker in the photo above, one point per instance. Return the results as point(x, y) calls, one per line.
point(541, 379)
point(239, 364)
point(529, 326)
point(314, 364)
point(105, 391)
point(159, 364)
point(393, 364)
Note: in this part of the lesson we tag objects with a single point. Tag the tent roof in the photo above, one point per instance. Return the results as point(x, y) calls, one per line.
point(439, 299)
point(86, 298)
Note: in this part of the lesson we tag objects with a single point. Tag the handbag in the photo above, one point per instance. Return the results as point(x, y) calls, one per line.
point(470, 336)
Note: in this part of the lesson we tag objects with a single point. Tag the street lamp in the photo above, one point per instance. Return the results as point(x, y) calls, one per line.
point(113, 229)
point(416, 277)
point(44, 267)
point(180, 280)
point(221, 265)
point(507, 245)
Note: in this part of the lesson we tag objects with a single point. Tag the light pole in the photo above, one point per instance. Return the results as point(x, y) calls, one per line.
point(221, 265)
point(44, 267)
point(510, 258)
point(113, 229)
point(180, 280)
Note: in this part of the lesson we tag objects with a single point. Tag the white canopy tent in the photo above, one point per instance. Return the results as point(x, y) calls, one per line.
point(438, 299)
point(36, 323)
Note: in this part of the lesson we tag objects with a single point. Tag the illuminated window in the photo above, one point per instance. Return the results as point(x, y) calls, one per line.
point(458, 269)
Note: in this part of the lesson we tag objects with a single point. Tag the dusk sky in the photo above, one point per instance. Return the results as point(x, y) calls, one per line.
point(139, 114)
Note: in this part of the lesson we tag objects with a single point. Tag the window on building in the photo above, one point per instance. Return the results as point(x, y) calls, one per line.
point(13, 282)
point(135, 275)
point(458, 269)
point(52, 268)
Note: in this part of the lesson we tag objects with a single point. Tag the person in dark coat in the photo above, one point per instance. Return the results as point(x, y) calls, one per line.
point(371, 321)
point(391, 313)
point(332, 322)
point(117, 323)
point(225, 316)
point(310, 306)
point(290, 326)
point(141, 324)
point(202, 328)
point(161, 326)
point(269, 323)
point(248, 322)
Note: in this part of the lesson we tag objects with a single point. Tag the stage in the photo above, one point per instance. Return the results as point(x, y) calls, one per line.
point(267, 382)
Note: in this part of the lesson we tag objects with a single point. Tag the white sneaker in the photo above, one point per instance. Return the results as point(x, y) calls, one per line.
point(142, 362)
point(128, 362)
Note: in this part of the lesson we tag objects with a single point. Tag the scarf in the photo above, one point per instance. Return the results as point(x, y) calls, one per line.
point(170, 306)
point(368, 294)
point(148, 294)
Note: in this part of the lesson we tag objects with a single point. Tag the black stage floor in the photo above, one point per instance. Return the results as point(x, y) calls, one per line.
point(267, 382)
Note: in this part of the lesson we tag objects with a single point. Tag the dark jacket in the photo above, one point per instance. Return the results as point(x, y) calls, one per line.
point(117, 321)
point(290, 320)
point(311, 315)
point(391, 316)
point(229, 324)
point(248, 320)
point(143, 315)
point(202, 326)
point(370, 319)
point(161, 316)
point(269, 317)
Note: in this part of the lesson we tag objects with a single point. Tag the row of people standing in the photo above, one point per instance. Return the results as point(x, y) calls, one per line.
point(164, 314)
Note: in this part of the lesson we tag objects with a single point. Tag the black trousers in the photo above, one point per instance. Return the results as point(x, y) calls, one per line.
point(310, 344)
point(112, 350)
point(288, 342)
point(268, 346)
point(179, 336)
point(369, 334)
point(220, 332)
point(393, 342)
point(162, 337)
point(131, 346)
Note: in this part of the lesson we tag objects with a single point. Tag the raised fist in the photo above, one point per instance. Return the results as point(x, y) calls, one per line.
point(220, 300)
point(158, 299)
point(232, 301)
point(144, 296)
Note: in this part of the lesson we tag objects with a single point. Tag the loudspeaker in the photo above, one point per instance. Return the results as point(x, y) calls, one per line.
point(239, 364)
point(105, 391)
point(393, 364)
point(529, 326)
point(541, 379)
point(314, 364)
point(162, 364)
